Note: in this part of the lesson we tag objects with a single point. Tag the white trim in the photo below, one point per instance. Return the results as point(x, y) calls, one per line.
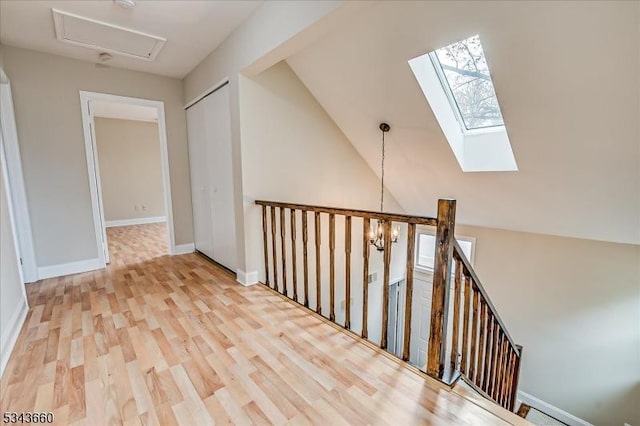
point(207, 92)
point(425, 230)
point(94, 172)
point(10, 338)
point(78, 267)
point(476, 151)
point(550, 410)
point(135, 221)
point(16, 187)
point(247, 278)
point(185, 249)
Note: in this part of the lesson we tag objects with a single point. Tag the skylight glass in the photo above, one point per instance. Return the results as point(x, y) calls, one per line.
point(464, 73)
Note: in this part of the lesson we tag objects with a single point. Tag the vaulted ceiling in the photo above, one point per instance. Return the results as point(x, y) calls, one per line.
point(567, 76)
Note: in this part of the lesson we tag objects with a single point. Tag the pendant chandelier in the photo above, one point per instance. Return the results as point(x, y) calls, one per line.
point(376, 233)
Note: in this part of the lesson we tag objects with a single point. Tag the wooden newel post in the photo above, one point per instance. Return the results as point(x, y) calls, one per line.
point(441, 283)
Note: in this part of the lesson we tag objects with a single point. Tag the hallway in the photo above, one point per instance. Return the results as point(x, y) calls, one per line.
point(154, 339)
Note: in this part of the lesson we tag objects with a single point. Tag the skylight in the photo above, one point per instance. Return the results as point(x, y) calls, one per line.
point(464, 73)
point(456, 82)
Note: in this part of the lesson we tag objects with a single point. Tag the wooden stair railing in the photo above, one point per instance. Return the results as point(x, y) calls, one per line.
point(487, 355)
point(480, 348)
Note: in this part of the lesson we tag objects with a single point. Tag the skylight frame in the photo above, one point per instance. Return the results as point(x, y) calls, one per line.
point(485, 149)
point(455, 107)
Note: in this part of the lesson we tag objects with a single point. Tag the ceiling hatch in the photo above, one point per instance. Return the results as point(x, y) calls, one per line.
point(105, 37)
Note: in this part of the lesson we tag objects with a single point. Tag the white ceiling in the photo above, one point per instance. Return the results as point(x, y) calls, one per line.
point(567, 78)
point(123, 111)
point(192, 28)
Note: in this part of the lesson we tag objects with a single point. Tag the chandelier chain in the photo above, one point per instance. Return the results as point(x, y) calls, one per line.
point(382, 177)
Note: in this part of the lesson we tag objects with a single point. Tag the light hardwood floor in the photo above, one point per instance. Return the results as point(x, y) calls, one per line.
point(154, 339)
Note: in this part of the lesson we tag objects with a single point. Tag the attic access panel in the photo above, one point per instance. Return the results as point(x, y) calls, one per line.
point(105, 37)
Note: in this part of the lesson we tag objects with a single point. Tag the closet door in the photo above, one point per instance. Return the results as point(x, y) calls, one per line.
point(210, 122)
point(221, 177)
point(201, 203)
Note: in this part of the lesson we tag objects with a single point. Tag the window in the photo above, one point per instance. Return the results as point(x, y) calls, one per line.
point(464, 74)
point(457, 85)
point(427, 248)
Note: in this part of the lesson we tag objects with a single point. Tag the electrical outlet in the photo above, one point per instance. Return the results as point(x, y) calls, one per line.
point(373, 277)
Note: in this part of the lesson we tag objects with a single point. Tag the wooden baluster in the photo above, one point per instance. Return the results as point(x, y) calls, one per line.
point(411, 244)
point(347, 272)
point(455, 337)
point(294, 269)
point(505, 355)
point(385, 283)
point(507, 377)
point(486, 380)
point(503, 380)
point(264, 245)
point(274, 249)
point(465, 325)
point(482, 357)
point(318, 275)
point(512, 373)
point(436, 349)
point(283, 248)
point(366, 223)
point(516, 377)
point(498, 385)
point(494, 357)
point(474, 335)
point(332, 267)
point(305, 260)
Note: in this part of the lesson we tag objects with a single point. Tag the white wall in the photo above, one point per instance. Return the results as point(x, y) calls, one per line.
point(293, 152)
point(130, 169)
point(574, 305)
point(13, 304)
point(274, 31)
point(47, 107)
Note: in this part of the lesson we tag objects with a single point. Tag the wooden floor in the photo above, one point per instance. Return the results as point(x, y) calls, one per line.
point(154, 339)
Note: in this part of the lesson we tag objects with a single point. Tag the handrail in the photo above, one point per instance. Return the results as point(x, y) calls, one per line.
point(395, 217)
point(481, 347)
point(459, 254)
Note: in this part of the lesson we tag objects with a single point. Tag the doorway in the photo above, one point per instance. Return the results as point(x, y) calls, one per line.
point(16, 187)
point(122, 203)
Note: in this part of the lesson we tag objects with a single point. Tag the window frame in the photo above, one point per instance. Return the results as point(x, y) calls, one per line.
point(446, 87)
point(432, 233)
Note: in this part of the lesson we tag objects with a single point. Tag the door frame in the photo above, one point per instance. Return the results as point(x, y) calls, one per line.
point(93, 168)
point(15, 183)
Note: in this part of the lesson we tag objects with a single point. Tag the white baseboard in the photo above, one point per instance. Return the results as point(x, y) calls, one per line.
point(549, 409)
point(247, 278)
point(53, 271)
point(10, 336)
point(136, 221)
point(184, 249)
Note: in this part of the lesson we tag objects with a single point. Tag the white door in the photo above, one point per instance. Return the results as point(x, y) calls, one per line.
point(420, 322)
point(421, 318)
point(209, 126)
point(203, 236)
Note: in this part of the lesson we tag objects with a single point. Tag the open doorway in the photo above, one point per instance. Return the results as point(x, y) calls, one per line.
point(129, 176)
